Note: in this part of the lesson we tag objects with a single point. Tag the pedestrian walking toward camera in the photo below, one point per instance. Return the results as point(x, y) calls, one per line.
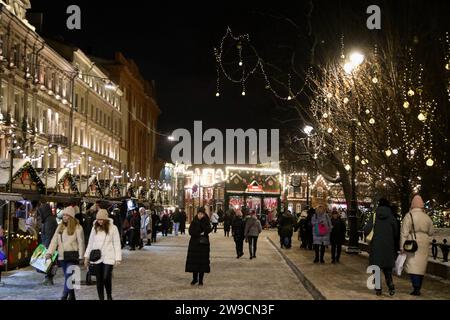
point(104, 251)
point(156, 221)
point(183, 219)
point(252, 230)
point(176, 221)
point(215, 221)
point(48, 228)
point(416, 226)
point(321, 226)
point(68, 240)
point(146, 226)
point(238, 230)
point(337, 236)
point(197, 260)
point(227, 220)
point(382, 246)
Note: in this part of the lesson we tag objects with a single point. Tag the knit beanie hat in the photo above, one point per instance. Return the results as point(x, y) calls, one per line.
point(102, 214)
point(70, 211)
point(417, 202)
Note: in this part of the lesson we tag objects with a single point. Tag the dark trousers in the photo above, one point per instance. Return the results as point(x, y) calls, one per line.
point(416, 281)
point(286, 242)
point(66, 291)
point(322, 251)
point(239, 245)
point(154, 231)
point(198, 276)
point(252, 245)
point(134, 238)
point(388, 276)
point(165, 231)
point(227, 233)
point(103, 276)
point(336, 252)
point(215, 227)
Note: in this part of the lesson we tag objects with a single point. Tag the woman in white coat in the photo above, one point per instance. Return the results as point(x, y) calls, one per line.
point(68, 240)
point(106, 239)
point(417, 222)
point(146, 226)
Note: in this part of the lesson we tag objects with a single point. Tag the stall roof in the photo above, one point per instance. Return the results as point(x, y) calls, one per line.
point(52, 177)
point(5, 166)
point(10, 196)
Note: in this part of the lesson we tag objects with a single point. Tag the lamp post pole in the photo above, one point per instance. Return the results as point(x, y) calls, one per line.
point(10, 189)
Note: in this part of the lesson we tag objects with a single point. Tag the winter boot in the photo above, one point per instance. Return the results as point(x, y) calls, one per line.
point(71, 295)
point(416, 292)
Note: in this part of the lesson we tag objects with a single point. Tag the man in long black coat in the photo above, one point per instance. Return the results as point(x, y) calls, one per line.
point(197, 260)
point(238, 226)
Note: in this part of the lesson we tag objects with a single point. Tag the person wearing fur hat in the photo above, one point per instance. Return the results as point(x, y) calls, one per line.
point(105, 238)
point(68, 240)
point(416, 225)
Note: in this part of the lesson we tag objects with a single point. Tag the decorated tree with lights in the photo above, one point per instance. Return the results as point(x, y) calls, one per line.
point(390, 102)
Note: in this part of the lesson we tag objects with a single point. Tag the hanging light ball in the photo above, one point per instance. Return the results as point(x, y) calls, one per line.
point(217, 94)
point(337, 148)
point(395, 151)
point(330, 130)
point(346, 100)
point(325, 115)
point(357, 158)
point(374, 80)
point(347, 167)
point(411, 92)
point(406, 104)
point(447, 66)
point(329, 95)
point(243, 93)
point(430, 162)
point(363, 161)
point(240, 63)
point(372, 121)
point(388, 152)
point(342, 56)
point(421, 117)
point(367, 111)
point(289, 97)
point(359, 124)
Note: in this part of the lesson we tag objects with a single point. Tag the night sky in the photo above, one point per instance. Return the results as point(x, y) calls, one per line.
point(172, 42)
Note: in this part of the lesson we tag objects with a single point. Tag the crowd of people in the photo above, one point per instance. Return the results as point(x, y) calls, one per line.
point(97, 236)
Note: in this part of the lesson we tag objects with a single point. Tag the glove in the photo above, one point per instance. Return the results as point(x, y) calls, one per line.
point(118, 262)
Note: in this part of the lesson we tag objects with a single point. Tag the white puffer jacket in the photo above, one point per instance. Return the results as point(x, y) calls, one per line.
point(108, 244)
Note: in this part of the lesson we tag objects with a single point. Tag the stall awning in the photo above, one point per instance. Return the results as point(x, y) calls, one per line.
point(10, 196)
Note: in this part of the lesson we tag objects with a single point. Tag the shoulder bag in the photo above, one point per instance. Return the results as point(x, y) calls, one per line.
point(96, 254)
point(369, 237)
point(411, 245)
point(70, 255)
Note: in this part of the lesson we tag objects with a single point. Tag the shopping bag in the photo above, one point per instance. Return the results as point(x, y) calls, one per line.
point(399, 264)
point(39, 261)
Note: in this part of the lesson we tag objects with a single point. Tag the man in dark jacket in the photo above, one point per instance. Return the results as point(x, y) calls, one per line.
point(309, 233)
point(337, 236)
point(383, 247)
point(183, 219)
point(48, 228)
point(155, 224)
point(238, 227)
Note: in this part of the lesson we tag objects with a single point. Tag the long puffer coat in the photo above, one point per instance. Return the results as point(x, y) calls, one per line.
point(286, 225)
point(416, 263)
point(198, 254)
point(382, 247)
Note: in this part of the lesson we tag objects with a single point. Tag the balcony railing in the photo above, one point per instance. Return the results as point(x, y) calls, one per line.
point(58, 139)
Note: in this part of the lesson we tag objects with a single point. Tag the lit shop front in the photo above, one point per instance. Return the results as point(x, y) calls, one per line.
point(256, 189)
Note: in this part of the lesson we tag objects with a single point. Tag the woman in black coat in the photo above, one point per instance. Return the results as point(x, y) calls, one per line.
point(197, 260)
point(383, 247)
point(155, 224)
point(238, 225)
point(227, 224)
point(337, 236)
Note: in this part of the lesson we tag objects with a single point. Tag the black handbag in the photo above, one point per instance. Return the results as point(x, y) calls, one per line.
point(96, 254)
point(204, 240)
point(411, 245)
point(73, 256)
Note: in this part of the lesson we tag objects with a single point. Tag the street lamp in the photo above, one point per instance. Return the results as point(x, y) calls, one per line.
point(356, 59)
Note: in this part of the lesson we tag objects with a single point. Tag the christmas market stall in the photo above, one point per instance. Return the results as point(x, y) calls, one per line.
point(20, 232)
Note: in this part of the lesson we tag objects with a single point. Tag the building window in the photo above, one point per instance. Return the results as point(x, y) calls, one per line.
point(82, 105)
point(76, 102)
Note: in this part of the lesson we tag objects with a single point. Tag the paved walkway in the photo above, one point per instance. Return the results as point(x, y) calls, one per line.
point(157, 272)
point(347, 280)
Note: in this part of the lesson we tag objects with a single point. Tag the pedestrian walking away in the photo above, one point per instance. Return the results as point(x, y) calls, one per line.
point(382, 248)
point(416, 225)
point(176, 221)
point(104, 251)
point(238, 230)
point(227, 220)
point(68, 240)
point(183, 219)
point(155, 224)
point(252, 230)
point(197, 260)
point(286, 225)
